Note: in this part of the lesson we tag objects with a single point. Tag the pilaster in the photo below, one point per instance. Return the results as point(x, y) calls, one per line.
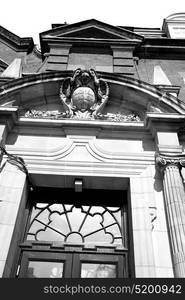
point(58, 57)
point(123, 61)
point(164, 128)
point(12, 196)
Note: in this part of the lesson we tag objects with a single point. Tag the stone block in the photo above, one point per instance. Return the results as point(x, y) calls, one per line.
point(141, 218)
point(143, 248)
point(5, 239)
point(168, 138)
point(2, 264)
point(145, 272)
point(10, 194)
point(124, 70)
point(164, 273)
point(120, 53)
point(104, 69)
point(162, 250)
point(135, 185)
point(8, 212)
point(60, 51)
point(141, 185)
point(56, 67)
point(12, 179)
point(138, 200)
point(123, 62)
point(57, 59)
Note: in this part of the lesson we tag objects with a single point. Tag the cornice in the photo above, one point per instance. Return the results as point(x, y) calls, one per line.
point(161, 48)
point(68, 28)
point(8, 116)
point(83, 124)
point(20, 44)
point(3, 64)
point(156, 122)
point(47, 41)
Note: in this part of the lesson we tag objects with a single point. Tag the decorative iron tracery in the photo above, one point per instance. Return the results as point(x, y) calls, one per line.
point(85, 224)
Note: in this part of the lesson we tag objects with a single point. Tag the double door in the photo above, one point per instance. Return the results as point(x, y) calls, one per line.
point(36, 264)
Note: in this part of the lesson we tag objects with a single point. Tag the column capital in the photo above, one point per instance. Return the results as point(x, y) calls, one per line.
point(163, 161)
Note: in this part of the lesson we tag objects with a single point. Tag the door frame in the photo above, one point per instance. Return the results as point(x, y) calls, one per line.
point(73, 260)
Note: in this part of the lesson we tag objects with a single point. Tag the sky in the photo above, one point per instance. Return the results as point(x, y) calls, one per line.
point(29, 18)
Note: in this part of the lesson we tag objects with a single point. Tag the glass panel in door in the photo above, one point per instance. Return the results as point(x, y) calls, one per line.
point(45, 265)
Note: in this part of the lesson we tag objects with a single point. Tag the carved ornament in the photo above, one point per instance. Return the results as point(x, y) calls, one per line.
point(120, 117)
point(163, 161)
point(84, 94)
point(56, 115)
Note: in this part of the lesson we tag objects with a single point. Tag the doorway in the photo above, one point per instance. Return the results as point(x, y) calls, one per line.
point(75, 235)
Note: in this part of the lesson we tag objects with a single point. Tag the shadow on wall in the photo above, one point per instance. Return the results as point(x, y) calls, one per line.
point(158, 183)
point(148, 145)
point(11, 139)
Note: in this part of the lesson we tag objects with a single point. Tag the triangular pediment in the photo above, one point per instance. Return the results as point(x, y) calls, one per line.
point(92, 29)
point(92, 32)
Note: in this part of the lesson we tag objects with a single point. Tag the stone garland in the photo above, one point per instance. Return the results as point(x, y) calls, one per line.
point(56, 115)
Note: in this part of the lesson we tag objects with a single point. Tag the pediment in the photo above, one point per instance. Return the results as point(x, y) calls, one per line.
point(91, 29)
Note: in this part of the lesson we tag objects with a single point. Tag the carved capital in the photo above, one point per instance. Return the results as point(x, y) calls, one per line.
point(163, 161)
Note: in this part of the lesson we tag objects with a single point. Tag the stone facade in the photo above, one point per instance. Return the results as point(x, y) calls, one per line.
point(97, 108)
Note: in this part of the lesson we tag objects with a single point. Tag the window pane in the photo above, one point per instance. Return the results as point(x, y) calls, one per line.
point(85, 224)
point(45, 269)
point(89, 270)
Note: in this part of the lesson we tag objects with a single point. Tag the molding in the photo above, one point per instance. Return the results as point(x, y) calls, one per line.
point(83, 125)
point(89, 143)
point(85, 169)
point(161, 48)
point(3, 64)
point(169, 88)
point(20, 44)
